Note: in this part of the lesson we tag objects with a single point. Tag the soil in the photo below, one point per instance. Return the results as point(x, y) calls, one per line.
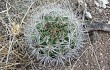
point(97, 56)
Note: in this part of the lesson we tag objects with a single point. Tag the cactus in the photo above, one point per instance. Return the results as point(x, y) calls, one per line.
point(53, 36)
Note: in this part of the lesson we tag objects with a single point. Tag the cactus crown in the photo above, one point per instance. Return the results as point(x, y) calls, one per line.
point(53, 31)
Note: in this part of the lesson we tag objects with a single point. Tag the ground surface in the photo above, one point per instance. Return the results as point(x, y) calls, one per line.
point(96, 55)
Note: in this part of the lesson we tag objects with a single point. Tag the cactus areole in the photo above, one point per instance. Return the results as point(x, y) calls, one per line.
point(53, 36)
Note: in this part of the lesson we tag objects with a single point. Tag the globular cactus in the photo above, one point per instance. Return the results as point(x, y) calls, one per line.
point(53, 35)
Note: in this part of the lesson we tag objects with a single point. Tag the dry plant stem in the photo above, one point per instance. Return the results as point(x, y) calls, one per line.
point(3, 47)
point(8, 13)
point(5, 10)
point(10, 48)
point(31, 62)
point(11, 41)
point(7, 27)
point(26, 12)
point(70, 64)
point(79, 58)
point(94, 53)
point(99, 38)
point(17, 56)
point(84, 9)
point(9, 65)
point(2, 59)
point(4, 36)
point(10, 4)
point(96, 58)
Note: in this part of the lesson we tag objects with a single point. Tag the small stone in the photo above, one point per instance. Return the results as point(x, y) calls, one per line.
point(101, 54)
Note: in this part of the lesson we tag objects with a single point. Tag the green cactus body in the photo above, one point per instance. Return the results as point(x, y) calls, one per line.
point(53, 36)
